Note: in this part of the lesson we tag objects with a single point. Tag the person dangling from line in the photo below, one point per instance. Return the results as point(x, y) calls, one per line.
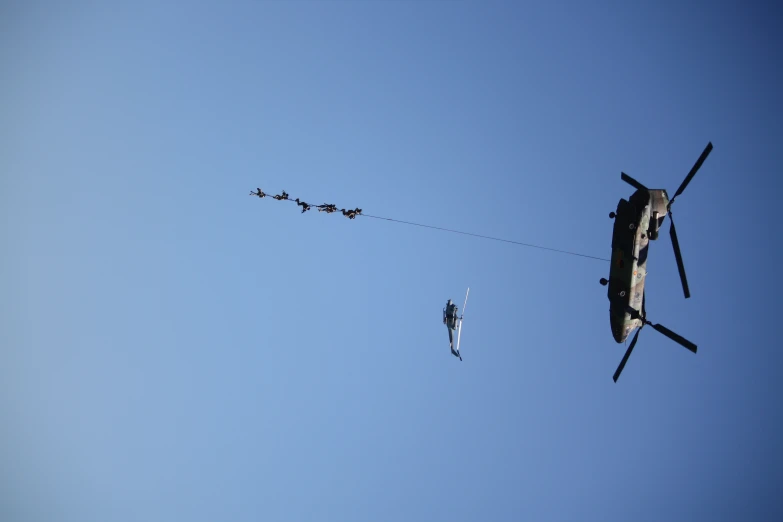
point(305, 206)
point(284, 195)
point(328, 208)
point(351, 214)
point(260, 193)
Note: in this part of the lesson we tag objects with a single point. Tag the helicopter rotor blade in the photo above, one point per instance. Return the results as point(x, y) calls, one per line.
point(459, 328)
point(628, 179)
point(625, 357)
point(696, 167)
point(678, 256)
point(675, 337)
point(459, 334)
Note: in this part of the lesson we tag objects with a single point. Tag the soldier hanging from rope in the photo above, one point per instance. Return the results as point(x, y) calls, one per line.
point(305, 206)
point(260, 193)
point(328, 208)
point(351, 214)
point(284, 195)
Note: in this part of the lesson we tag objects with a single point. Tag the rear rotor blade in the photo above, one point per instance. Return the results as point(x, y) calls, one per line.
point(675, 337)
point(625, 357)
point(628, 179)
point(678, 256)
point(696, 167)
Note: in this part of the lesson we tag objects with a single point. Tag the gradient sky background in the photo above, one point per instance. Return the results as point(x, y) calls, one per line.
point(173, 349)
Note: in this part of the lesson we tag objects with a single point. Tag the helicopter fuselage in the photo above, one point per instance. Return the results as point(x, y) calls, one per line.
point(637, 221)
point(450, 315)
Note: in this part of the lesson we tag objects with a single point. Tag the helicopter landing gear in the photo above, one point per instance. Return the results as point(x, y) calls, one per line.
point(612, 215)
point(632, 226)
point(604, 282)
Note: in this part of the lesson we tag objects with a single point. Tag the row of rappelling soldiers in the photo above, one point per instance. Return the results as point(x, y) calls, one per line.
point(326, 207)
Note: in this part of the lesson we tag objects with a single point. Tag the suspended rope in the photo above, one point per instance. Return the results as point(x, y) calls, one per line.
point(487, 237)
point(351, 214)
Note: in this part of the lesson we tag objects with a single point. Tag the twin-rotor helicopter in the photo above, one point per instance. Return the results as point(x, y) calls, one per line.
point(636, 222)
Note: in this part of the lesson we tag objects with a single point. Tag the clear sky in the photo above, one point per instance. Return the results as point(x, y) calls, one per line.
point(173, 349)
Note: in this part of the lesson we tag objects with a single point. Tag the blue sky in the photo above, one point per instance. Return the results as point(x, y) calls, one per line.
point(176, 350)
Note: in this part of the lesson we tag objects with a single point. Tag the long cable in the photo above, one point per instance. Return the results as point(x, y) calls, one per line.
point(485, 237)
point(286, 198)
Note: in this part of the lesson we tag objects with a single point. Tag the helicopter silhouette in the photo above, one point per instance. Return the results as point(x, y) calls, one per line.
point(636, 222)
point(454, 323)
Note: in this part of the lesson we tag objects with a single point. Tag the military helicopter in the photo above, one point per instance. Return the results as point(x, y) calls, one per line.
point(453, 323)
point(636, 222)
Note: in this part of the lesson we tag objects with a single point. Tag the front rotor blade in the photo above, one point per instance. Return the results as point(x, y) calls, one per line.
point(696, 167)
point(678, 257)
point(628, 179)
point(674, 337)
point(625, 357)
